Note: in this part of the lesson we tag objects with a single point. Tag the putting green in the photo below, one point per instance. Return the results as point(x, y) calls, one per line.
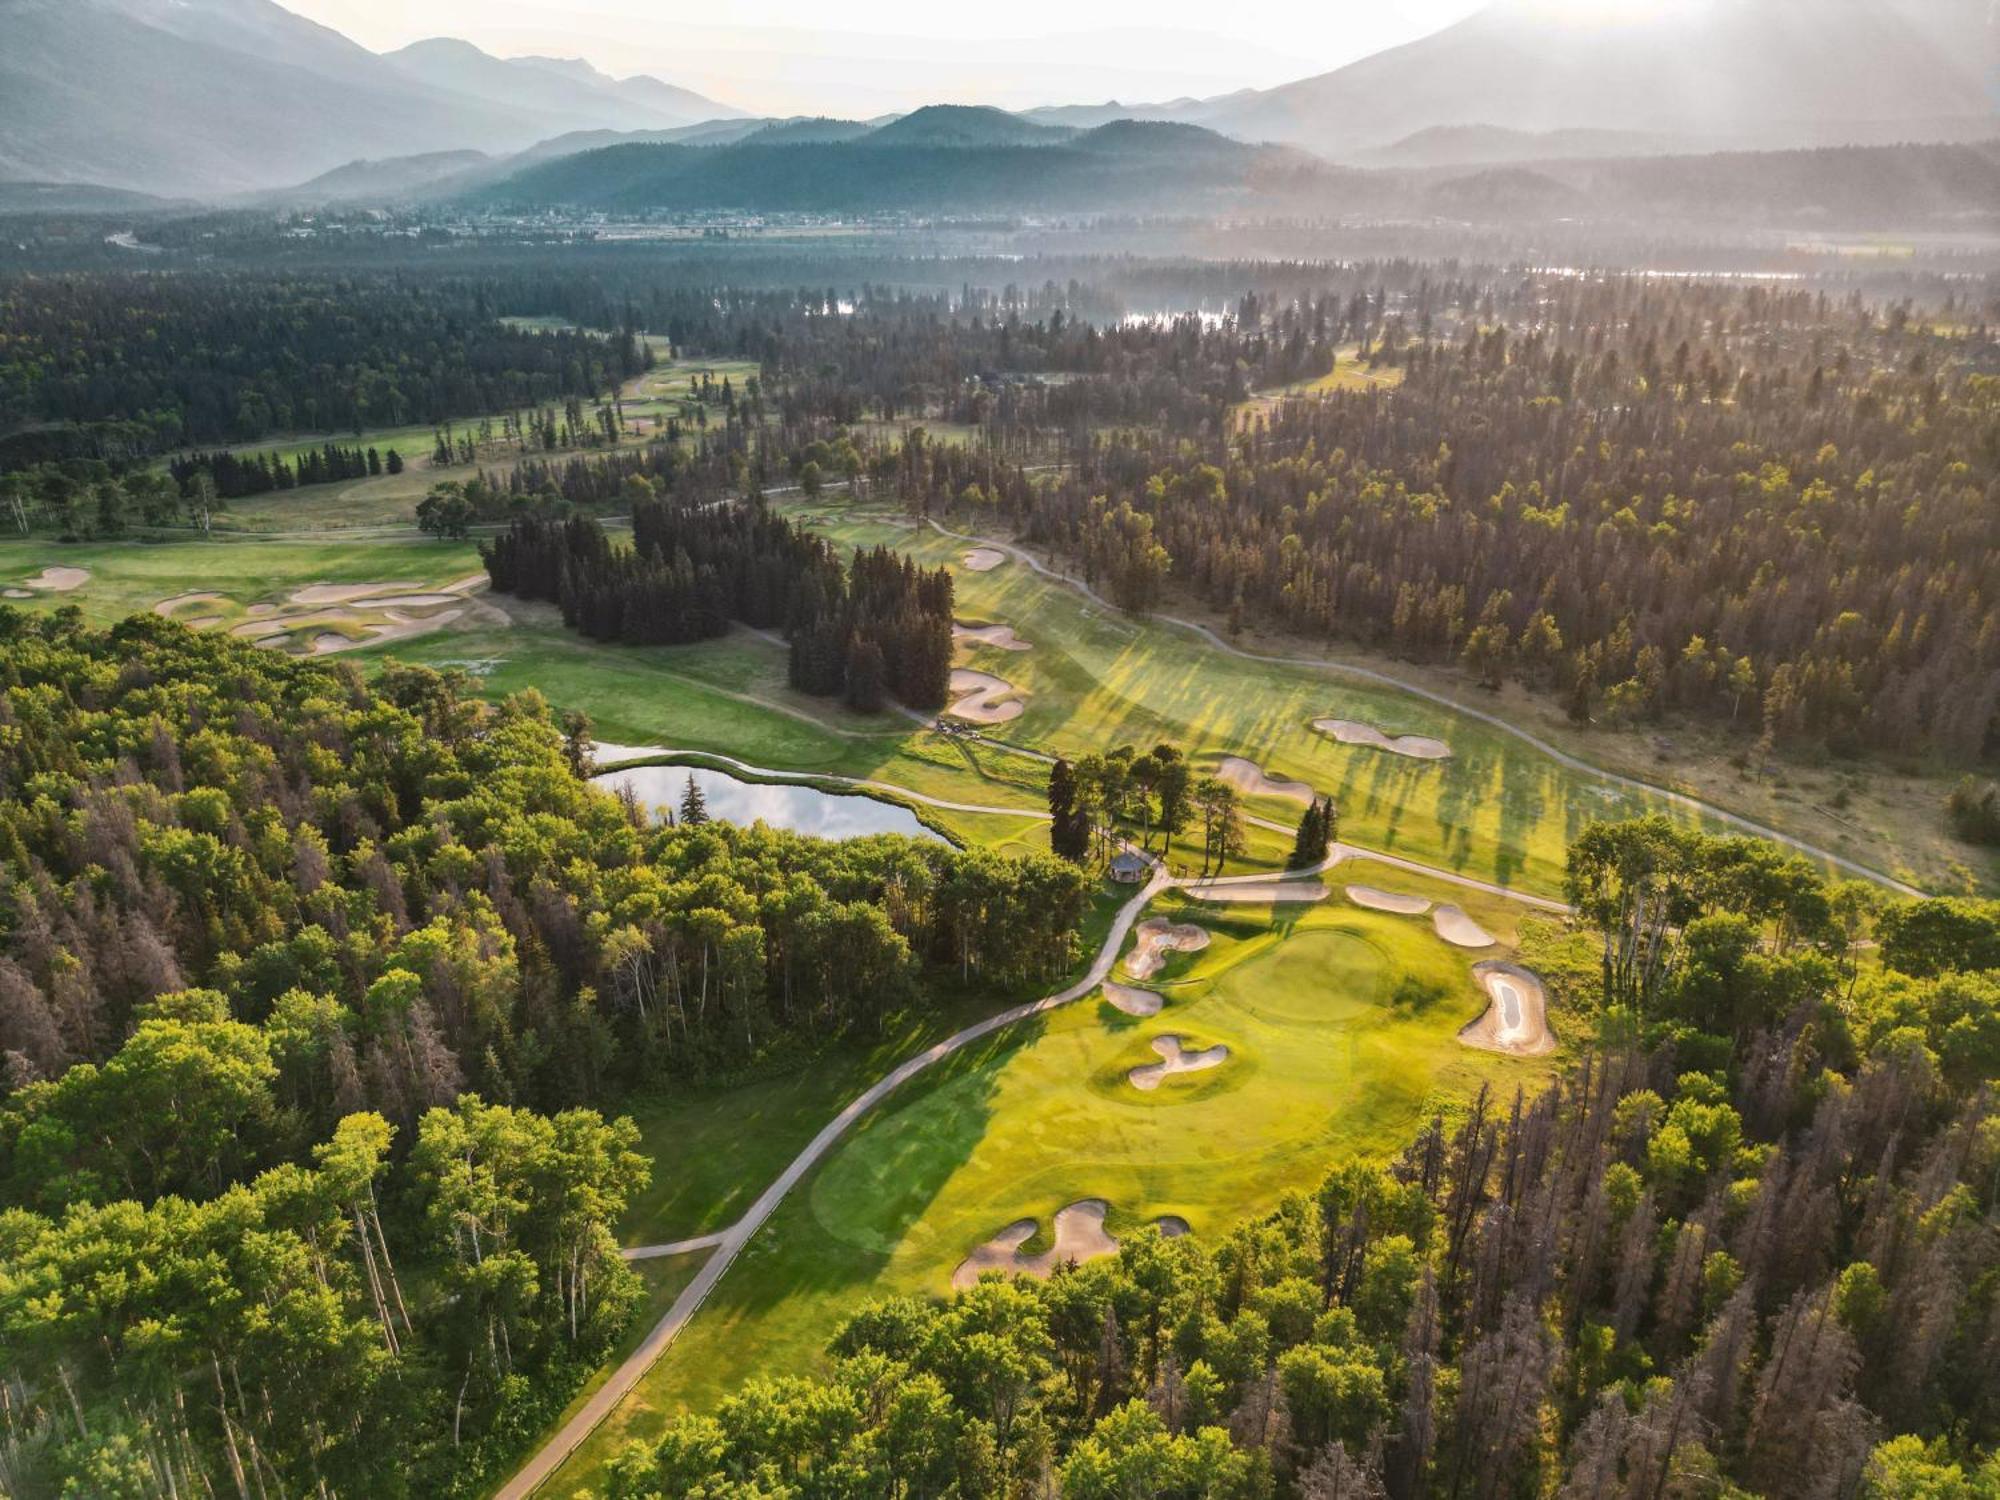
point(1340, 1025)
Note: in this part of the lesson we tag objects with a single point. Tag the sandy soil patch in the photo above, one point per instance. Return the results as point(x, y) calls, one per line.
point(1134, 1002)
point(1516, 1022)
point(413, 601)
point(1455, 927)
point(1395, 901)
point(985, 699)
point(1257, 892)
point(1351, 732)
point(469, 584)
point(1175, 1058)
point(983, 559)
point(1079, 1235)
point(1001, 637)
point(203, 622)
point(179, 602)
point(1157, 938)
point(59, 580)
point(1249, 778)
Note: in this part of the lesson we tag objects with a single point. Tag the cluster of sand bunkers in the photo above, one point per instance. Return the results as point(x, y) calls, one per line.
point(326, 617)
point(980, 697)
point(51, 580)
point(1353, 732)
point(1448, 921)
point(1079, 1235)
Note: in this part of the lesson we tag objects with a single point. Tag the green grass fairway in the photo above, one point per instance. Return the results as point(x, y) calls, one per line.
point(1340, 1025)
point(131, 577)
point(1497, 809)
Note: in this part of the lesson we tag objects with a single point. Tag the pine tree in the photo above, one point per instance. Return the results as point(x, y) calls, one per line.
point(1069, 821)
point(694, 806)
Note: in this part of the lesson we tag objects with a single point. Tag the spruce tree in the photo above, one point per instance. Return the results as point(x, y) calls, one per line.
point(694, 806)
point(1069, 827)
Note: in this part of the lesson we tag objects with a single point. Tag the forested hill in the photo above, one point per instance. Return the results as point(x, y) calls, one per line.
point(299, 978)
point(1162, 167)
point(1121, 166)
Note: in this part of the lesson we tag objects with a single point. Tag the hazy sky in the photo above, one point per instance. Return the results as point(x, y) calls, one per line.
point(867, 57)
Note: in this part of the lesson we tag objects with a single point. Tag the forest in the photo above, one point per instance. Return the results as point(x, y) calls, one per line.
point(311, 994)
point(876, 628)
point(121, 367)
point(1744, 1247)
point(1748, 505)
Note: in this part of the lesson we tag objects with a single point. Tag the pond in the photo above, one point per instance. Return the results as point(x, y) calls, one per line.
point(802, 809)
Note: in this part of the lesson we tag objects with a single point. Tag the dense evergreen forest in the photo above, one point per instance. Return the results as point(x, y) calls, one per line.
point(125, 366)
point(877, 628)
point(309, 993)
point(1746, 1247)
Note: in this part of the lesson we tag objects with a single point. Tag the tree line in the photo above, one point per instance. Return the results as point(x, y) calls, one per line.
point(238, 475)
point(310, 991)
point(134, 364)
point(1738, 1248)
point(876, 628)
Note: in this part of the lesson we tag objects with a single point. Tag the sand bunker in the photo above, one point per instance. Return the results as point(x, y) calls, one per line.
point(1080, 1235)
point(1175, 1058)
point(337, 593)
point(261, 630)
point(1351, 732)
point(17, 594)
point(181, 601)
point(999, 636)
point(1517, 1021)
point(1157, 937)
point(1248, 777)
point(1395, 901)
point(59, 580)
point(982, 701)
point(983, 559)
point(1256, 892)
point(1455, 927)
point(414, 601)
point(1133, 1002)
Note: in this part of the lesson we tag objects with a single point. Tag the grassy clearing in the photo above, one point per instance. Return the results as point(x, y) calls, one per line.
point(1340, 1026)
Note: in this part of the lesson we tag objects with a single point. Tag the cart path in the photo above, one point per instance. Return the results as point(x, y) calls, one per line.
point(533, 1474)
point(728, 1243)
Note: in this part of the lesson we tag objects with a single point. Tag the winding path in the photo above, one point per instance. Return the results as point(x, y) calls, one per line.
point(1443, 700)
point(730, 1243)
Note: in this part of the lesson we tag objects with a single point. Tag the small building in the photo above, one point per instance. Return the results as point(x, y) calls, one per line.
point(1130, 868)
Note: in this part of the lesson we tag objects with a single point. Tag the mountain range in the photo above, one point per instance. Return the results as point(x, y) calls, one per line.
point(211, 98)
